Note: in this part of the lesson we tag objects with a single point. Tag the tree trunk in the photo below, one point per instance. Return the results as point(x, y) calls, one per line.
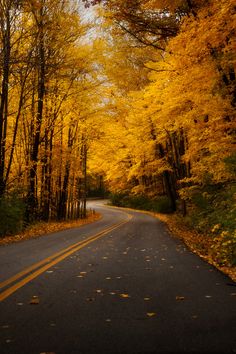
point(32, 195)
point(6, 48)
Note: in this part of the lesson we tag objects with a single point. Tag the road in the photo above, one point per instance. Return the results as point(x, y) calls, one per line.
point(119, 285)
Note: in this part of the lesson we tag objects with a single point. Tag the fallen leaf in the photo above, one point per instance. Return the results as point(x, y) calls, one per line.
point(147, 298)
point(8, 340)
point(233, 294)
point(124, 295)
point(5, 326)
point(104, 257)
point(99, 291)
point(82, 273)
point(179, 298)
point(49, 271)
point(112, 293)
point(34, 300)
point(108, 278)
point(108, 320)
point(151, 314)
point(208, 296)
point(20, 303)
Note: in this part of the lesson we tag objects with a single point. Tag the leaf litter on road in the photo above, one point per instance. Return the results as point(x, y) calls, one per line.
point(124, 296)
point(180, 298)
point(151, 314)
point(34, 300)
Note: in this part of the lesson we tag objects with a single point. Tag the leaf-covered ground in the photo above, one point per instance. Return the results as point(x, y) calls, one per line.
point(44, 228)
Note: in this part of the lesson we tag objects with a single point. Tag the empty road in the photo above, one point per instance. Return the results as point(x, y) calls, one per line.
point(119, 285)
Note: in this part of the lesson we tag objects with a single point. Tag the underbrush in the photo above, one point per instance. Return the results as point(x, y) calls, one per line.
point(210, 223)
point(213, 213)
point(12, 212)
point(141, 202)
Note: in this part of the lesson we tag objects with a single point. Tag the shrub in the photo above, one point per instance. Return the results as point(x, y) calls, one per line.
point(159, 205)
point(12, 212)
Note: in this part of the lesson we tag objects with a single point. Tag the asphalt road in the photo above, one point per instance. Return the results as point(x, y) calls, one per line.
point(119, 285)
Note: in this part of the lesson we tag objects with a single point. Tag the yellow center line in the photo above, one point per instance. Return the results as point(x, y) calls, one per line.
point(52, 260)
point(46, 260)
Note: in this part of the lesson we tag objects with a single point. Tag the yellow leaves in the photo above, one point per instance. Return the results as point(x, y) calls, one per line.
point(215, 228)
point(125, 296)
point(151, 314)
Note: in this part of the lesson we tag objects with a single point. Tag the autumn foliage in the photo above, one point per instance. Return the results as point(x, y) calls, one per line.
point(148, 105)
point(174, 134)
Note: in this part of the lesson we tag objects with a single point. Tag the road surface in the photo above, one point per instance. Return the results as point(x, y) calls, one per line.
point(119, 285)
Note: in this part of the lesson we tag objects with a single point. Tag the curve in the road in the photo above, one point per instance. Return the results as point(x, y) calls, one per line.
point(38, 268)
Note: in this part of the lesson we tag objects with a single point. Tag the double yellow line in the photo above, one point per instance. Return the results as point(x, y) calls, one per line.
point(25, 276)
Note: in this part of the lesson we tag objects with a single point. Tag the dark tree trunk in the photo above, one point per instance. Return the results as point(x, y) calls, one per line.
point(32, 194)
point(6, 48)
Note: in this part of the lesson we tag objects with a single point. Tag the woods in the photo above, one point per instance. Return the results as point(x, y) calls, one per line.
point(46, 70)
point(145, 103)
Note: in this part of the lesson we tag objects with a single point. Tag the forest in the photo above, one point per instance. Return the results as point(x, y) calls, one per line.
point(134, 99)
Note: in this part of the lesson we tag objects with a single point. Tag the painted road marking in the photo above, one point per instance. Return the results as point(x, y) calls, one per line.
point(51, 261)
